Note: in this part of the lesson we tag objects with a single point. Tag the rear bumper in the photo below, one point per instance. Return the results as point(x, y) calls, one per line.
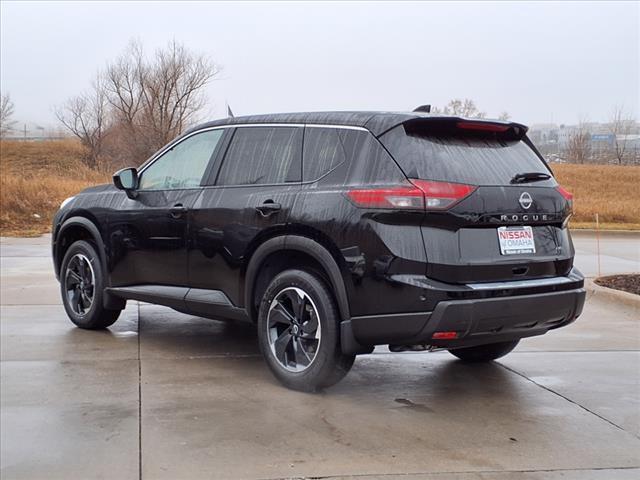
point(476, 321)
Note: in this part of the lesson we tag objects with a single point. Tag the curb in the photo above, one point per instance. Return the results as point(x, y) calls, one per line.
point(626, 298)
point(604, 233)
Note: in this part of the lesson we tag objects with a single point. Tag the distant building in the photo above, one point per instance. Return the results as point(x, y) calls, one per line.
point(553, 141)
point(602, 143)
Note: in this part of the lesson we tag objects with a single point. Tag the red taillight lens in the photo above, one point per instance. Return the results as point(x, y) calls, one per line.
point(404, 197)
point(419, 195)
point(442, 195)
point(566, 194)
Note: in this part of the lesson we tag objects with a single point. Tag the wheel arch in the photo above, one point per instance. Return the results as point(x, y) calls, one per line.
point(295, 247)
point(73, 229)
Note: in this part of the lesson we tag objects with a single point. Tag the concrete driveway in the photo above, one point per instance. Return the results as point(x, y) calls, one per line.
point(168, 396)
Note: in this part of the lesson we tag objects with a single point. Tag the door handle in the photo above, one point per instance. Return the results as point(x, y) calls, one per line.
point(268, 208)
point(178, 210)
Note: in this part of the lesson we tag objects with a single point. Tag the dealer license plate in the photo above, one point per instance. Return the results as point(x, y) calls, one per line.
point(515, 240)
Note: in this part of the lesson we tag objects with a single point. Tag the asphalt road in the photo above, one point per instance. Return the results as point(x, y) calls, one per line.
point(163, 395)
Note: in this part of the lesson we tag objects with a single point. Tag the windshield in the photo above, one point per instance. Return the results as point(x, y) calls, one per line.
point(471, 159)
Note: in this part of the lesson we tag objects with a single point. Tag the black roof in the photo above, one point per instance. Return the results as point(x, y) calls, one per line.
point(376, 122)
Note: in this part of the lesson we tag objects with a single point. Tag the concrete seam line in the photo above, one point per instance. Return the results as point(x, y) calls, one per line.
point(450, 472)
point(520, 352)
point(139, 400)
point(567, 399)
point(31, 304)
point(608, 232)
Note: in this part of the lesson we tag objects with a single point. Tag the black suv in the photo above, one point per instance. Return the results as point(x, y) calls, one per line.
point(333, 232)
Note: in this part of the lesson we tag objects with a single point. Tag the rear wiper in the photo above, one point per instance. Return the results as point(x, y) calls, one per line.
point(530, 177)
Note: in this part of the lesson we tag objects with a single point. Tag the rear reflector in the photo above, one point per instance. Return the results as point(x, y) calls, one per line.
point(418, 195)
point(482, 126)
point(444, 335)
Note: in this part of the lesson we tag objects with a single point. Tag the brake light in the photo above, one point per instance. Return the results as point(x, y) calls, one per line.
point(483, 126)
point(409, 197)
point(418, 195)
point(566, 194)
point(443, 195)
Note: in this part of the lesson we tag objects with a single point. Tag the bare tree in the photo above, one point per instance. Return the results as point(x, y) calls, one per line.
point(579, 143)
point(6, 115)
point(123, 81)
point(504, 116)
point(620, 126)
point(462, 108)
point(173, 93)
point(157, 99)
point(138, 104)
point(87, 117)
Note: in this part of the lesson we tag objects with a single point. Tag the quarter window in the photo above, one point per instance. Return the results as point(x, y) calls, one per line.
point(183, 165)
point(323, 151)
point(263, 155)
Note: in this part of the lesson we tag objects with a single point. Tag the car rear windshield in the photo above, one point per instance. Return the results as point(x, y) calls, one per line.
point(476, 159)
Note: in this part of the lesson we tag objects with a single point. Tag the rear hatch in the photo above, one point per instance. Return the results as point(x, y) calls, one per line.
point(504, 217)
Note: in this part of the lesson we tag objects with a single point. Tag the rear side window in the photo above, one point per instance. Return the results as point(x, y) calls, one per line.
point(460, 158)
point(263, 155)
point(323, 151)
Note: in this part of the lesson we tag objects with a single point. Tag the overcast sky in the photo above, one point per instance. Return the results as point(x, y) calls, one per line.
point(538, 61)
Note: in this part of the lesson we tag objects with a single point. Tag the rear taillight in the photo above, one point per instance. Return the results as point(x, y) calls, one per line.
point(568, 196)
point(443, 195)
point(418, 195)
point(403, 197)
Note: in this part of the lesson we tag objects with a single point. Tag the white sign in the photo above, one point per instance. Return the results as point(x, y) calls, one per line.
point(515, 240)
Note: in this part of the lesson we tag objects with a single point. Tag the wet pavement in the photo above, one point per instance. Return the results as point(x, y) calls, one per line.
point(165, 395)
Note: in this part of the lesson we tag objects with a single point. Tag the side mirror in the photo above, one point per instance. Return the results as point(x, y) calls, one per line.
point(127, 180)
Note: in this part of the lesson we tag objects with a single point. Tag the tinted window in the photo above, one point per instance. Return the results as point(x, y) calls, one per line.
point(183, 165)
point(261, 155)
point(368, 161)
point(464, 159)
point(323, 151)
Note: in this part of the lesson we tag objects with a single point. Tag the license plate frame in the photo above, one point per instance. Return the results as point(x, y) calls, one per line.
point(516, 240)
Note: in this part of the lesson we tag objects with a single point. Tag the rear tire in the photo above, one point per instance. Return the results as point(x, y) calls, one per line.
point(299, 332)
point(484, 353)
point(82, 288)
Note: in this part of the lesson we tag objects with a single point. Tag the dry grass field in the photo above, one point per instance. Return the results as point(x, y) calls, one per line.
point(37, 176)
point(613, 192)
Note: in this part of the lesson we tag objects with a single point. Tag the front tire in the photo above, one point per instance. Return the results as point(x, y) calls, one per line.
point(484, 353)
point(299, 334)
point(82, 288)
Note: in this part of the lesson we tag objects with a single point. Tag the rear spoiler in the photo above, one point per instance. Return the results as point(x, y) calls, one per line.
point(437, 124)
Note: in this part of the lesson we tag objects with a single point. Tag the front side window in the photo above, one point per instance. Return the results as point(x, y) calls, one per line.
point(263, 155)
point(183, 165)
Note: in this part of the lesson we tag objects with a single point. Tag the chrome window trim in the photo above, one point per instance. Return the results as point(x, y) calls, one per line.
point(342, 127)
point(161, 152)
